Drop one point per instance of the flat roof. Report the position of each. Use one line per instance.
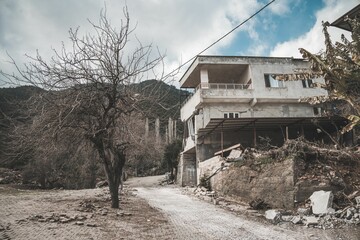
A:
(197, 61)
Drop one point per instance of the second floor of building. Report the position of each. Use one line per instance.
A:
(221, 79)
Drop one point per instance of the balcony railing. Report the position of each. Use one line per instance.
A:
(227, 86)
(218, 86)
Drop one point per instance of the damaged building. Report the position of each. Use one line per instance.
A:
(236, 101)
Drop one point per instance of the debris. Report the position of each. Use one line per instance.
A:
(321, 201)
(353, 195)
(258, 204)
(79, 223)
(91, 225)
(123, 214)
(235, 154)
(296, 220)
(303, 211)
(287, 218)
(357, 199)
(311, 220)
(273, 215)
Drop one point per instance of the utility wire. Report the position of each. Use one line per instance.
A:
(221, 38)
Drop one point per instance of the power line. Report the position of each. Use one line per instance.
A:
(221, 38)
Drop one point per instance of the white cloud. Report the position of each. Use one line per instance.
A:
(179, 28)
(313, 40)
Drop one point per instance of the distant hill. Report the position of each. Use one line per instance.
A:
(164, 103)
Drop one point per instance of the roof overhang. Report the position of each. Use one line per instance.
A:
(341, 23)
(216, 125)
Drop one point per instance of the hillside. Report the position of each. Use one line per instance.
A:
(164, 103)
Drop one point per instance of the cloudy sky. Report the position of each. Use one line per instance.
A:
(179, 28)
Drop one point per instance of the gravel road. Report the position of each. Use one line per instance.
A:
(195, 219)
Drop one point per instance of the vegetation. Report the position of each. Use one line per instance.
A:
(339, 65)
(171, 155)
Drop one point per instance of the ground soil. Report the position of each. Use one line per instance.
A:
(148, 211)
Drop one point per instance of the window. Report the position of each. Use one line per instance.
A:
(231, 115)
(318, 111)
(272, 82)
(307, 83)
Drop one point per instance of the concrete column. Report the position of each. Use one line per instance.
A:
(204, 78)
(254, 134)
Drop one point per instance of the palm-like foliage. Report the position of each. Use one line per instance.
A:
(339, 65)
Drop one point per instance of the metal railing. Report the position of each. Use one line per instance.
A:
(228, 86)
(218, 86)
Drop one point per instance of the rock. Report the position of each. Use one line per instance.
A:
(303, 211)
(216, 201)
(235, 154)
(296, 220)
(64, 220)
(122, 214)
(79, 223)
(273, 215)
(287, 218)
(102, 184)
(321, 201)
(104, 212)
(357, 199)
(311, 220)
(80, 218)
(91, 225)
(331, 211)
(350, 213)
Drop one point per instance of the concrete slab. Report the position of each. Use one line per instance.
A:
(321, 201)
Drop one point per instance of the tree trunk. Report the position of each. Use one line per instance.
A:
(114, 193)
(113, 159)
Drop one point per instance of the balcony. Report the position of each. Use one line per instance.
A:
(216, 92)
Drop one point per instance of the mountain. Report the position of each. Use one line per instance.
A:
(165, 102)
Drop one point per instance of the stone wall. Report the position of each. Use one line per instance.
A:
(271, 182)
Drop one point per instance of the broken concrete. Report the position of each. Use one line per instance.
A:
(311, 220)
(357, 199)
(321, 202)
(273, 215)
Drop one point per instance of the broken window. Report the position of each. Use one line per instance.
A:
(272, 82)
(307, 83)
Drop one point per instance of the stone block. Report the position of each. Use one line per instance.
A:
(321, 201)
(273, 215)
(296, 220)
(311, 220)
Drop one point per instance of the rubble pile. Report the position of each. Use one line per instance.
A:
(319, 212)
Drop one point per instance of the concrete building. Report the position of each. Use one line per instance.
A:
(235, 100)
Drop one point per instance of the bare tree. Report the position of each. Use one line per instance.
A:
(91, 92)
